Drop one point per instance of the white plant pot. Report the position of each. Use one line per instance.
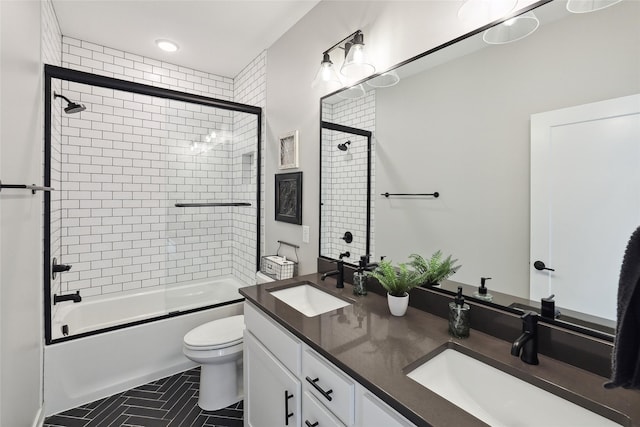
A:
(398, 305)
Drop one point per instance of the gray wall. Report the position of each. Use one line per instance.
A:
(21, 138)
(463, 129)
(394, 31)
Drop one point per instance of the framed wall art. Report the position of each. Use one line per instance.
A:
(288, 150)
(289, 197)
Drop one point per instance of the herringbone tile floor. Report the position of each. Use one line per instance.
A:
(171, 401)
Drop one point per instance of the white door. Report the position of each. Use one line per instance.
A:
(585, 201)
(272, 393)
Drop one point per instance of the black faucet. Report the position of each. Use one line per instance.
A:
(339, 271)
(69, 297)
(526, 345)
(367, 265)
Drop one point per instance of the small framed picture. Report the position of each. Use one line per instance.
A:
(288, 150)
(289, 197)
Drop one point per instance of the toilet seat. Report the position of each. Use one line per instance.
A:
(217, 334)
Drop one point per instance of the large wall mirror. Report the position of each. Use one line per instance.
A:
(533, 147)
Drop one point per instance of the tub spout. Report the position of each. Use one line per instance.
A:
(69, 297)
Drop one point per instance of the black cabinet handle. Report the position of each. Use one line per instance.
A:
(317, 387)
(287, 414)
(539, 265)
(309, 424)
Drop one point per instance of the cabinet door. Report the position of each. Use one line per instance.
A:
(375, 413)
(273, 394)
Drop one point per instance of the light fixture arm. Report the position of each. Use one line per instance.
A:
(349, 37)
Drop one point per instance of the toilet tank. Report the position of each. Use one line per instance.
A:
(262, 278)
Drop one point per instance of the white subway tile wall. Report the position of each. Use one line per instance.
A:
(344, 173)
(128, 159)
(250, 87)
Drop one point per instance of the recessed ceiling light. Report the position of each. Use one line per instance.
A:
(167, 45)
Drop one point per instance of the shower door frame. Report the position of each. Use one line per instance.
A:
(55, 72)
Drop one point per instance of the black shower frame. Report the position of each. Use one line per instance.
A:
(354, 131)
(55, 72)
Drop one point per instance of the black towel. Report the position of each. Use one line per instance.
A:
(625, 360)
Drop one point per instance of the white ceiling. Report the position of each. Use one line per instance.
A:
(215, 36)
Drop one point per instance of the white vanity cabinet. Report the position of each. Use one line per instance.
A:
(329, 385)
(283, 376)
(273, 393)
(315, 414)
(373, 412)
(275, 398)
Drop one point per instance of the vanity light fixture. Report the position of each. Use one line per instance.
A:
(356, 63)
(355, 66)
(586, 6)
(513, 29)
(327, 74)
(166, 45)
(354, 92)
(388, 79)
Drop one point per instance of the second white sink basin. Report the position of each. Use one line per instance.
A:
(309, 300)
(497, 398)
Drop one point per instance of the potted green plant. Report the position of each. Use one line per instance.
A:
(435, 268)
(397, 282)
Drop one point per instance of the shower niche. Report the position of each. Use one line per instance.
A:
(157, 202)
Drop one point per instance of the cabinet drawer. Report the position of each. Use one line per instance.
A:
(281, 343)
(314, 414)
(331, 387)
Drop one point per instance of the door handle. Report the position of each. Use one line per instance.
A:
(287, 414)
(539, 265)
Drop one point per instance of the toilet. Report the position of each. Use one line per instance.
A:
(217, 347)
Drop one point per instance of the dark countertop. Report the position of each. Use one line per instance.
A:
(378, 349)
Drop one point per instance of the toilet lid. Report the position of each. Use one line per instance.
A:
(218, 333)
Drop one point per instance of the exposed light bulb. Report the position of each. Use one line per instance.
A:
(326, 72)
(356, 64)
(326, 75)
(358, 54)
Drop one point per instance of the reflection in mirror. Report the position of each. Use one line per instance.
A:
(459, 122)
(344, 213)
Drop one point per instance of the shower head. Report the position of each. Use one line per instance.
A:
(71, 107)
(344, 146)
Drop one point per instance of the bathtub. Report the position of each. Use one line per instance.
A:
(97, 365)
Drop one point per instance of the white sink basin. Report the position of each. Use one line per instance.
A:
(309, 300)
(497, 398)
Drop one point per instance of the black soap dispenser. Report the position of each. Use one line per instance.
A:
(459, 316)
(482, 293)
